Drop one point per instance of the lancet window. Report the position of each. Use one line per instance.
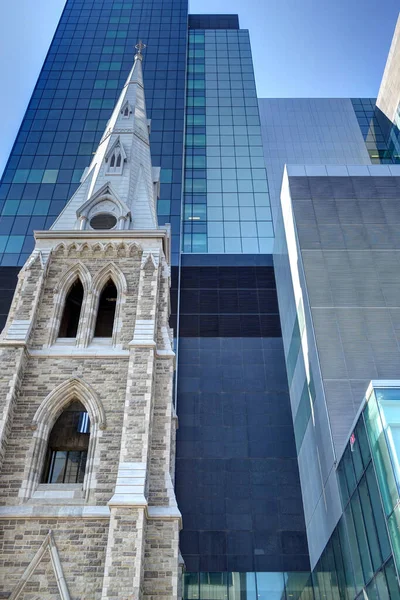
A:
(68, 446)
(106, 311)
(72, 311)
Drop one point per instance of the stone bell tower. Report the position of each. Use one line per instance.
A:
(87, 423)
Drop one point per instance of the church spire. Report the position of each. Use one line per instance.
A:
(120, 187)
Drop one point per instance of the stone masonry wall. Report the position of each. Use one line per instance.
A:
(107, 376)
(81, 546)
(94, 259)
(12, 362)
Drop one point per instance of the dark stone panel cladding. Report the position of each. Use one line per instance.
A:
(226, 301)
(213, 22)
(237, 478)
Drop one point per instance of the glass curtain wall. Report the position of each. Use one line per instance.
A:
(361, 557)
(226, 201)
(382, 137)
(86, 66)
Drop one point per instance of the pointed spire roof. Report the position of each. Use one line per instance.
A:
(122, 162)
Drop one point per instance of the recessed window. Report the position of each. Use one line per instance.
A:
(106, 312)
(72, 311)
(68, 446)
(103, 221)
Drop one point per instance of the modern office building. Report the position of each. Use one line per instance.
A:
(334, 179)
(286, 470)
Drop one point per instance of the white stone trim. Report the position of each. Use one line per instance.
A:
(48, 544)
(144, 332)
(65, 511)
(19, 330)
(164, 512)
(130, 486)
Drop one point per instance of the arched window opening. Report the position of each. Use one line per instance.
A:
(72, 310)
(126, 111)
(68, 446)
(106, 313)
(112, 163)
(119, 160)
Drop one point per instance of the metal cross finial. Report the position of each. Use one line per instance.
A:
(140, 46)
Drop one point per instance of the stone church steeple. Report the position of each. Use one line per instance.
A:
(120, 179)
(87, 429)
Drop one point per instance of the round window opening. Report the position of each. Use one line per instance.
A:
(103, 221)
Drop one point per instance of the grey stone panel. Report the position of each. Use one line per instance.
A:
(391, 293)
(331, 236)
(358, 353)
(341, 409)
(355, 237)
(310, 472)
(309, 237)
(379, 236)
(342, 187)
(319, 290)
(325, 518)
(321, 187)
(326, 211)
(391, 208)
(326, 454)
(394, 231)
(329, 344)
(372, 211)
(304, 212)
(348, 211)
(300, 188)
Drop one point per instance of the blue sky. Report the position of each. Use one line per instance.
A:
(301, 48)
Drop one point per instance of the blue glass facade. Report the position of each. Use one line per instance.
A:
(86, 66)
(226, 200)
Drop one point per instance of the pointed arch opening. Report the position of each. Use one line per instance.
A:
(115, 158)
(72, 311)
(53, 425)
(106, 312)
(68, 446)
(70, 301)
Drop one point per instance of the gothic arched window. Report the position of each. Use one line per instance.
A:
(68, 446)
(106, 311)
(115, 164)
(126, 110)
(72, 311)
